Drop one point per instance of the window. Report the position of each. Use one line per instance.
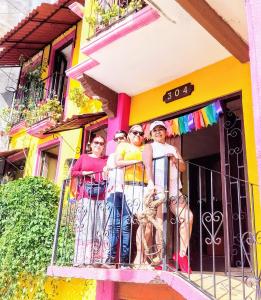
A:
(59, 80)
(91, 133)
(48, 163)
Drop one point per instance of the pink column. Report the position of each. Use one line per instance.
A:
(105, 290)
(253, 11)
(120, 122)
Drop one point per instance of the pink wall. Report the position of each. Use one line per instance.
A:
(105, 290)
(120, 122)
(253, 11)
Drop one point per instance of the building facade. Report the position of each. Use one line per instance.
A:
(193, 65)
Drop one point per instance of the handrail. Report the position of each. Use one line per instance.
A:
(224, 236)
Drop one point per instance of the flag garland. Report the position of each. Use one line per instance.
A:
(196, 120)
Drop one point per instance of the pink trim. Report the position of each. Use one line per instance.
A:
(132, 23)
(253, 10)
(77, 71)
(18, 156)
(77, 8)
(120, 122)
(38, 128)
(16, 128)
(92, 127)
(105, 290)
(46, 146)
(183, 287)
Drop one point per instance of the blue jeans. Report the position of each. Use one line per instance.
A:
(119, 225)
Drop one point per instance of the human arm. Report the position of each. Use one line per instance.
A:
(147, 157)
(178, 161)
(119, 157)
(77, 169)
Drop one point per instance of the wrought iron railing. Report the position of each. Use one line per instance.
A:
(212, 221)
(105, 13)
(32, 95)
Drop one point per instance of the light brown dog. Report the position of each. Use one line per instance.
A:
(151, 201)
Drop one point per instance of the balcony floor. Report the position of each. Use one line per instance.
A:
(182, 283)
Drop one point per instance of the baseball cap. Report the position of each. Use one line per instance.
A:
(157, 123)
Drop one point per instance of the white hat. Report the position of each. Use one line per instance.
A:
(157, 123)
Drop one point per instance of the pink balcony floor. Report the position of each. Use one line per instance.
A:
(180, 282)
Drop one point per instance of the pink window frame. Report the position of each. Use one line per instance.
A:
(92, 127)
(59, 45)
(46, 146)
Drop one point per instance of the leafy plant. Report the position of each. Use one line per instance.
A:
(78, 97)
(32, 113)
(10, 117)
(82, 101)
(28, 210)
(104, 15)
(50, 108)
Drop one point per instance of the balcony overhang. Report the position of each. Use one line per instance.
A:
(39, 128)
(152, 47)
(14, 154)
(175, 281)
(45, 23)
(75, 122)
(93, 88)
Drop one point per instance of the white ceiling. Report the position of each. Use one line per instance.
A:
(233, 12)
(156, 53)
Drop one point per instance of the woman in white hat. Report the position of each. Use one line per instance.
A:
(155, 175)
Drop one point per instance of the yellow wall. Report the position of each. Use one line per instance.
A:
(211, 82)
(217, 80)
(71, 289)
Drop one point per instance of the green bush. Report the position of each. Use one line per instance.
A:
(28, 209)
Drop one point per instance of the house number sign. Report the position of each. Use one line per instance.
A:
(178, 92)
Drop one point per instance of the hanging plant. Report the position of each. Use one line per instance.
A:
(78, 97)
(82, 101)
(35, 113)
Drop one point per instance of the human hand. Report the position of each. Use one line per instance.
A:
(89, 173)
(173, 160)
(151, 186)
(169, 155)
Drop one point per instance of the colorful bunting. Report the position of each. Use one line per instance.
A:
(191, 123)
(175, 127)
(201, 118)
(169, 127)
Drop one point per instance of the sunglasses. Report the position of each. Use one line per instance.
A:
(98, 143)
(140, 133)
(119, 138)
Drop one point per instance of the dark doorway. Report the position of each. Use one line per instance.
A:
(202, 151)
(217, 193)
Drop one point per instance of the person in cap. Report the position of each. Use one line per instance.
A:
(155, 171)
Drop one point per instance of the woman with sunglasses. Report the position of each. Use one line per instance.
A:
(89, 240)
(118, 214)
(129, 157)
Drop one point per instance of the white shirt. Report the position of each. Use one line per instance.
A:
(159, 150)
(115, 176)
